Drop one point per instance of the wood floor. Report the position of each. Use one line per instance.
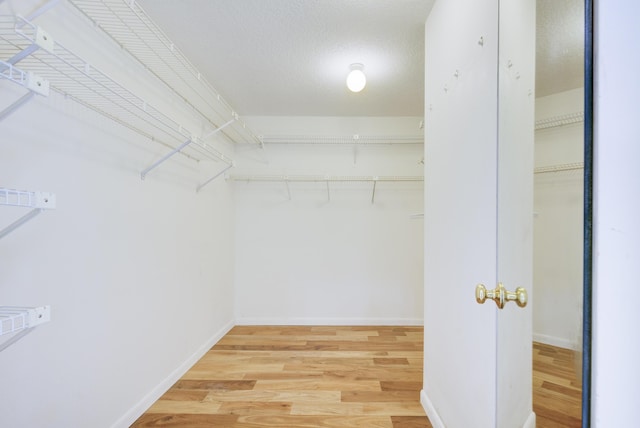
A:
(311, 376)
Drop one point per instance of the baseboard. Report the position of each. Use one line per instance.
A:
(329, 321)
(130, 417)
(435, 420)
(556, 341)
(531, 421)
(431, 412)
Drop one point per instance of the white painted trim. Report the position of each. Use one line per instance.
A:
(531, 421)
(330, 321)
(557, 341)
(435, 420)
(134, 413)
(431, 412)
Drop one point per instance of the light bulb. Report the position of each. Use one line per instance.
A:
(356, 80)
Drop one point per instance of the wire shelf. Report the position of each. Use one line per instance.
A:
(129, 25)
(15, 318)
(23, 198)
(558, 168)
(555, 121)
(343, 139)
(73, 77)
(323, 178)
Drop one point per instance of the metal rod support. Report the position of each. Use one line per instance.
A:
(14, 339)
(288, 189)
(16, 105)
(215, 131)
(213, 178)
(22, 220)
(373, 193)
(144, 173)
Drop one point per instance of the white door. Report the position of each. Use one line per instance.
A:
(479, 121)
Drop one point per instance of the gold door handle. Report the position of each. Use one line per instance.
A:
(501, 296)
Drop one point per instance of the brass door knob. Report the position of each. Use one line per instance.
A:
(501, 296)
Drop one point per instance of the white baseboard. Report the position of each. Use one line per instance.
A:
(531, 421)
(435, 420)
(134, 413)
(557, 341)
(431, 412)
(330, 321)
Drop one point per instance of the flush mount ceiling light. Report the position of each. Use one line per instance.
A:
(356, 80)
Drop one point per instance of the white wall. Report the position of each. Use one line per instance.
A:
(329, 258)
(558, 235)
(616, 352)
(139, 274)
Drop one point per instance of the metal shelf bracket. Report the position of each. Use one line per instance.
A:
(200, 186)
(38, 201)
(157, 163)
(22, 321)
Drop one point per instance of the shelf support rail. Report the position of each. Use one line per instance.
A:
(214, 177)
(34, 83)
(39, 201)
(22, 321)
(373, 192)
(157, 163)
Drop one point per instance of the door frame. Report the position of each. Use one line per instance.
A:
(588, 215)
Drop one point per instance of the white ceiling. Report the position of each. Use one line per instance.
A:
(291, 57)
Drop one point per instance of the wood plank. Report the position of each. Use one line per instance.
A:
(328, 376)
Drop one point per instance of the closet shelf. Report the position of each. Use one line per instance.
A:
(132, 29)
(37, 201)
(68, 74)
(374, 179)
(555, 121)
(16, 318)
(343, 139)
(558, 168)
(322, 178)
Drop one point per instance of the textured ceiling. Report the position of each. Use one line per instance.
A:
(560, 46)
(291, 57)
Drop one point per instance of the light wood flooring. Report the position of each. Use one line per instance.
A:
(327, 376)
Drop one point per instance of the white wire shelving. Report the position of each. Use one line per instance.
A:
(64, 72)
(16, 318)
(343, 139)
(37, 201)
(130, 26)
(21, 321)
(561, 120)
(287, 179)
(575, 166)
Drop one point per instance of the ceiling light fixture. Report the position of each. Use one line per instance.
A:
(356, 80)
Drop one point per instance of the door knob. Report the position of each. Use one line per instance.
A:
(501, 296)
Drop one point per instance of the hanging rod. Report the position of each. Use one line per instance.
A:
(561, 120)
(73, 77)
(322, 178)
(133, 30)
(557, 168)
(342, 139)
(37, 201)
